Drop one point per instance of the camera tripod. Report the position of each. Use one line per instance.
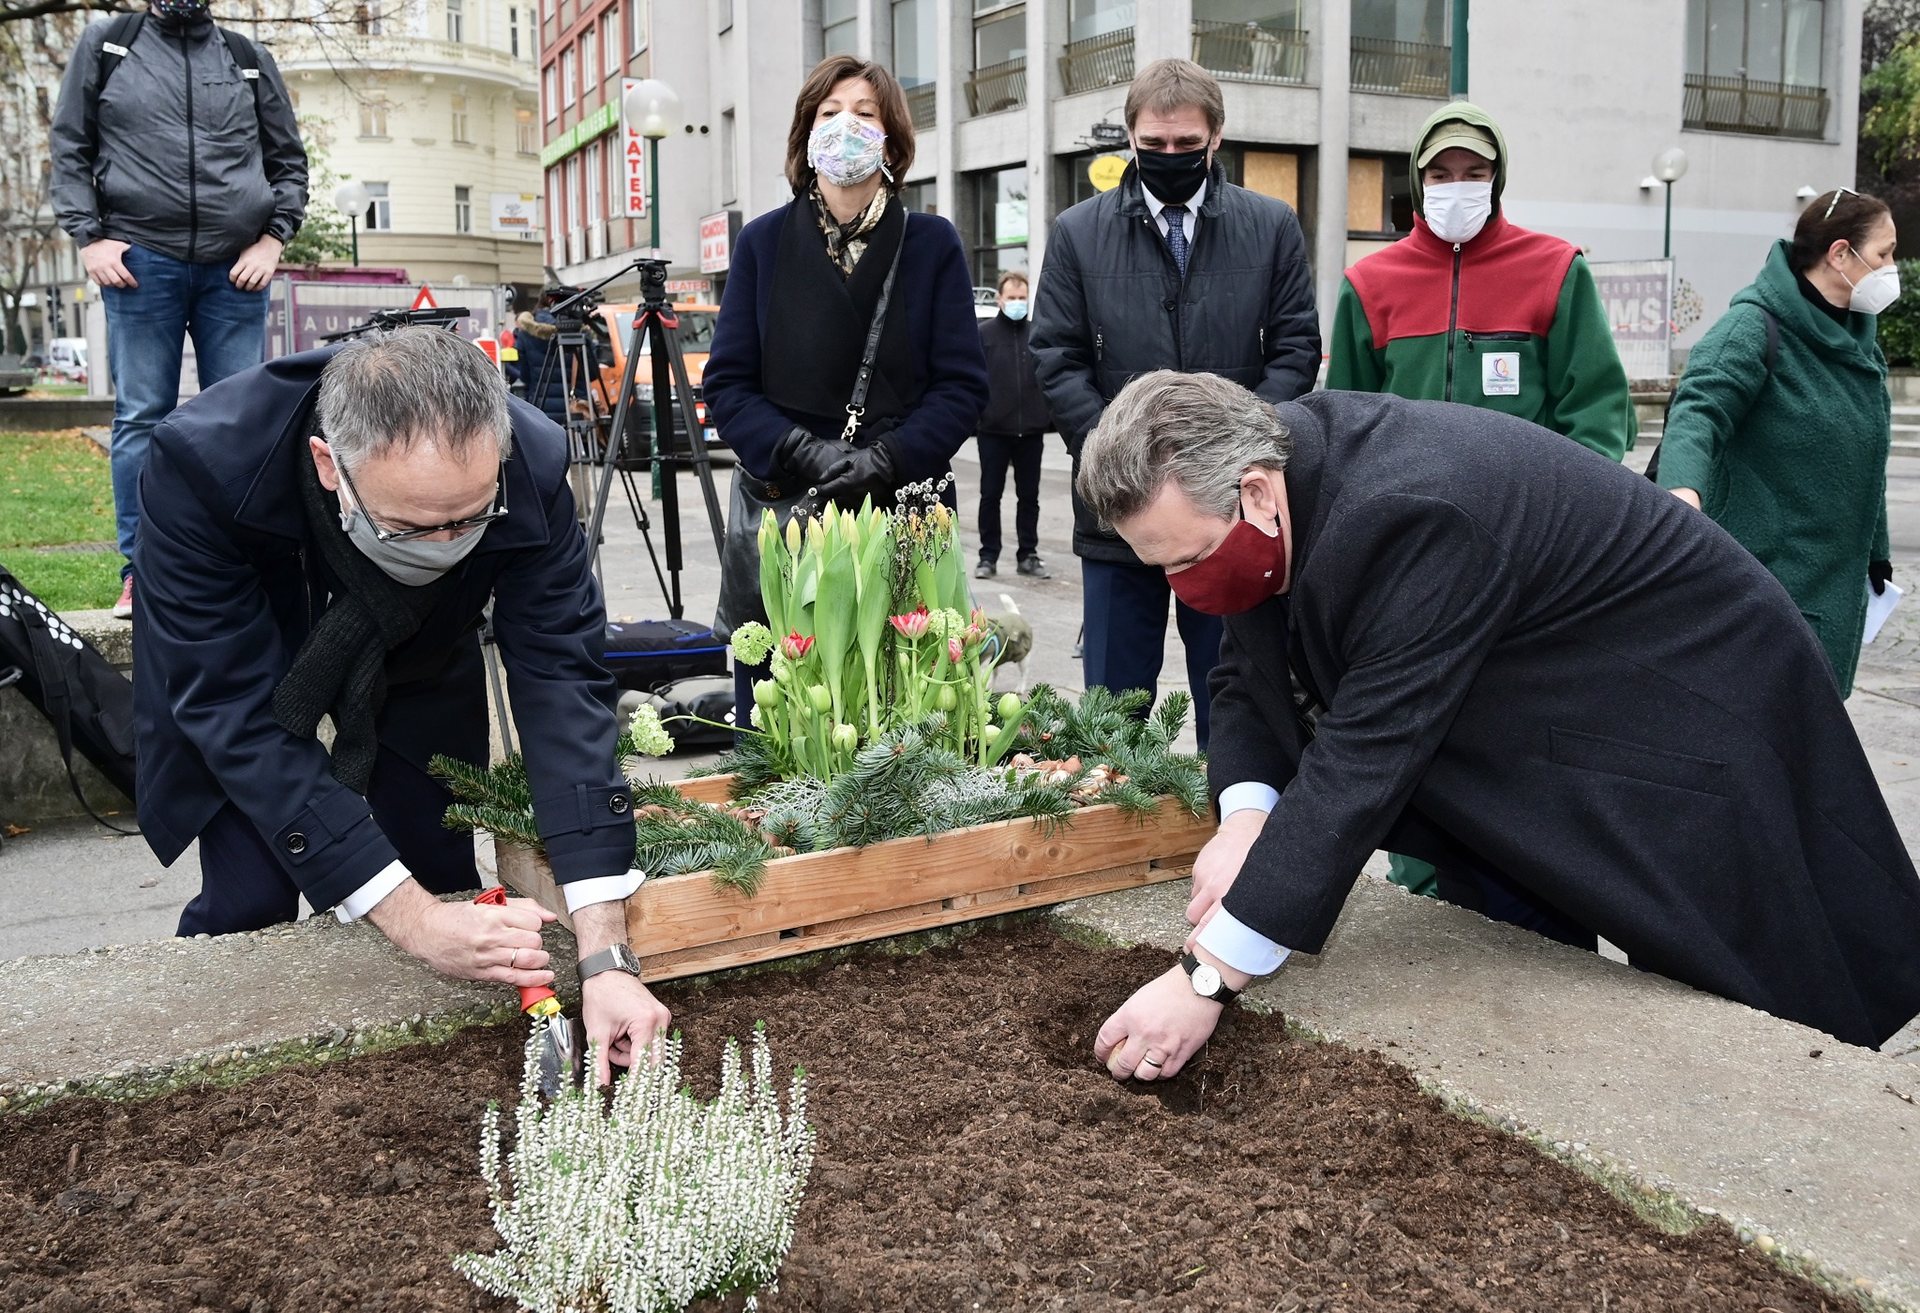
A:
(655, 326)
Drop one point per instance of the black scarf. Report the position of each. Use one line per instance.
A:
(341, 670)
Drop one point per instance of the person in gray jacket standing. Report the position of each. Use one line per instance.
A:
(178, 172)
(1175, 268)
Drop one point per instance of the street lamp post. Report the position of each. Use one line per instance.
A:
(1669, 166)
(352, 199)
(654, 108)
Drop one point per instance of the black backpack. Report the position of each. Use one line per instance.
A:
(88, 702)
(1773, 349)
(120, 37)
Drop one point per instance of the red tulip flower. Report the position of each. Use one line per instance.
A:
(795, 648)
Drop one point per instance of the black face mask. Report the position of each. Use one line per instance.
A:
(1172, 176)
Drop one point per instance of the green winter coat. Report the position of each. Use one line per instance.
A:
(1791, 461)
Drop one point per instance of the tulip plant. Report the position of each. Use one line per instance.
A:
(872, 627)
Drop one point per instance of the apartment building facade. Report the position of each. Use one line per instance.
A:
(1018, 111)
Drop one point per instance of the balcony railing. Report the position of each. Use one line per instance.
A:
(1250, 52)
(920, 105)
(1098, 61)
(1737, 104)
(1408, 67)
(997, 87)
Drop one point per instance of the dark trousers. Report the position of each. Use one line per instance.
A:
(243, 886)
(1125, 610)
(1467, 880)
(1022, 451)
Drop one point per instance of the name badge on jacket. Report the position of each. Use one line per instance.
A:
(1500, 374)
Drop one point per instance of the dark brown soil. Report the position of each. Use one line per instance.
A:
(972, 1156)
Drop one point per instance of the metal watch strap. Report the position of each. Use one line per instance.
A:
(1222, 995)
(615, 957)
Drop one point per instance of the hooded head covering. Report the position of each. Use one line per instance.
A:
(1445, 129)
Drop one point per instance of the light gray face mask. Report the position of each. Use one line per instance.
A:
(413, 563)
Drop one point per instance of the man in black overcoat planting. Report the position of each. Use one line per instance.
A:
(1458, 635)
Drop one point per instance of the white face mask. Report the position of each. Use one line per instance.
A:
(1457, 211)
(1874, 293)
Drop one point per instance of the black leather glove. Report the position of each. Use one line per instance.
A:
(1879, 574)
(870, 472)
(809, 461)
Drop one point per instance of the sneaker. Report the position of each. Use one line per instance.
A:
(985, 570)
(1035, 567)
(123, 609)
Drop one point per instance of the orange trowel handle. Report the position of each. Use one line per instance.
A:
(531, 996)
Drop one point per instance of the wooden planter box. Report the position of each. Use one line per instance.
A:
(684, 925)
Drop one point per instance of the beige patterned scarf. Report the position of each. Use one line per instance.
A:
(847, 242)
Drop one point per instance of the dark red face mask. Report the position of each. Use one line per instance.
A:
(1242, 572)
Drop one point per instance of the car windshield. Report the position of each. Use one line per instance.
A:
(696, 329)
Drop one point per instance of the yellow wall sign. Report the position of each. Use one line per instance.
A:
(1105, 170)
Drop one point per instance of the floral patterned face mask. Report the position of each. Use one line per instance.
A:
(846, 150)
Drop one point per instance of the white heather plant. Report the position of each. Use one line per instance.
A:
(651, 1203)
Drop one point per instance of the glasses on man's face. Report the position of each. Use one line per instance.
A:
(454, 527)
(1836, 200)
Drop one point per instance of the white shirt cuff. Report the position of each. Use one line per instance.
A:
(1240, 947)
(1249, 795)
(367, 897)
(601, 889)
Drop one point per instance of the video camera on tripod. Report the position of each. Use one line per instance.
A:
(445, 316)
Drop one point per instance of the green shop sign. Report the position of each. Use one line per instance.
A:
(602, 120)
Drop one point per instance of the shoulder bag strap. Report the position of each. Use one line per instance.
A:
(862, 381)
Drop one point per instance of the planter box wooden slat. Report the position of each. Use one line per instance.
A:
(684, 925)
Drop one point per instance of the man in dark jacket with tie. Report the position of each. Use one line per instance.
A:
(1012, 429)
(320, 536)
(1175, 268)
(1460, 636)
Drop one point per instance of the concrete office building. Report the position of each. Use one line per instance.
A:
(1015, 100)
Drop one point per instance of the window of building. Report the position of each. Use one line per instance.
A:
(920, 197)
(999, 78)
(569, 87)
(526, 132)
(513, 31)
(366, 20)
(1091, 18)
(997, 222)
(379, 215)
(548, 97)
(637, 25)
(570, 188)
(596, 179)
(1421, 22)
(610, 42)
(463, 209)
(556, 231)
(729, 159)
(373, 117)
(914, 57)
(1757, 66)
(589, 60)
(1379, 196)
(456, 20)
(461, 131)
(840, 26)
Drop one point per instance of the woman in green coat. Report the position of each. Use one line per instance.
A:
(1781, 424)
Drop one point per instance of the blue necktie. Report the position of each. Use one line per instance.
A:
(1177, 235)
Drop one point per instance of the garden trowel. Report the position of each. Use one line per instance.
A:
(559, 1055)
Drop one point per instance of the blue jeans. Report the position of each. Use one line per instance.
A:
(147, 328)
(1125, 609)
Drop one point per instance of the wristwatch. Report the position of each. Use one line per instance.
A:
(617, 957)
(1206, 980)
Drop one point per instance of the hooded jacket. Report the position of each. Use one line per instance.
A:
(173, 155)
(1509, 321)
(1791, 460)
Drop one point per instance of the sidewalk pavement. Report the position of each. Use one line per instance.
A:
(1782, 1130)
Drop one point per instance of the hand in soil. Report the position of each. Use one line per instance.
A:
(1219, 863)
(623, 1018)
(1164, 1020)
(466, 940)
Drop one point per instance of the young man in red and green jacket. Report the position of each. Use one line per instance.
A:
(1472, 309)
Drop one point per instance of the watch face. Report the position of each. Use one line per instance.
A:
(1206, 981)
(624, 956)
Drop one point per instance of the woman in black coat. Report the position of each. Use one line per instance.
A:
(793, 326)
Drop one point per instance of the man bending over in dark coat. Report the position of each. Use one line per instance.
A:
(1460, 636)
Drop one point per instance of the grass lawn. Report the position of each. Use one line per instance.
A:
(50, 390)
(56, 492)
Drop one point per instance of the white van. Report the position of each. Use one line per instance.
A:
(67, 358)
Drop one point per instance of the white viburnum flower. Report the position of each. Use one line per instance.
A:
(649, 735)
